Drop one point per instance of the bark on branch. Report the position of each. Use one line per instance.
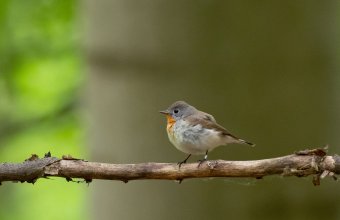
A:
(303, 163)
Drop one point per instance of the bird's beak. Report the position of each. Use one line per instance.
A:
(165, 112)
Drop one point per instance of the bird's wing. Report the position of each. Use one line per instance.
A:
(207, 116)
(208, 121)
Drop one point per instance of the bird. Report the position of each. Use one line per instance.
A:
(195, 132)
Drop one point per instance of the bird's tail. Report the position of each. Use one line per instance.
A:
(246, 142)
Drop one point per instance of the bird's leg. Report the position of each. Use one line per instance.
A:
(184, 161)
(204, 159)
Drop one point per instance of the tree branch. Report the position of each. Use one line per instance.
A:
(303, 163)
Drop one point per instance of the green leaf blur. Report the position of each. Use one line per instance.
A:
(40, 79)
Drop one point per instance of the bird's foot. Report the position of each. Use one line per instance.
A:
(180, 163)
(201, 161)
(184, 161)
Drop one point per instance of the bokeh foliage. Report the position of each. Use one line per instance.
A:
(40, 79)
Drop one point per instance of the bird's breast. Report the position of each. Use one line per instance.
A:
(170, 124)
(194, 139)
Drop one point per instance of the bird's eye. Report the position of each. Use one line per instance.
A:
(176, 111)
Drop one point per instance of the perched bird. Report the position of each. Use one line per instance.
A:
(195, 132)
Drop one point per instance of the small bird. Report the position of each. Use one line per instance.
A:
(195, 132)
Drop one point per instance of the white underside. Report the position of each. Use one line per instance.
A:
(195, 139)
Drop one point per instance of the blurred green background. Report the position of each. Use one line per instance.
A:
(88, 78)
(40, 85)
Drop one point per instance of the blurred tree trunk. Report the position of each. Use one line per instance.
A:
(260, 68)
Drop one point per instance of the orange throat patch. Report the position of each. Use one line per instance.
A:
(170, 123)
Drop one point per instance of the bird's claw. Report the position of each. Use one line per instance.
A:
(184, 161)
(180, 163)
(201, 161)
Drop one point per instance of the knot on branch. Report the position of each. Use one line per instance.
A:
(319, 163)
